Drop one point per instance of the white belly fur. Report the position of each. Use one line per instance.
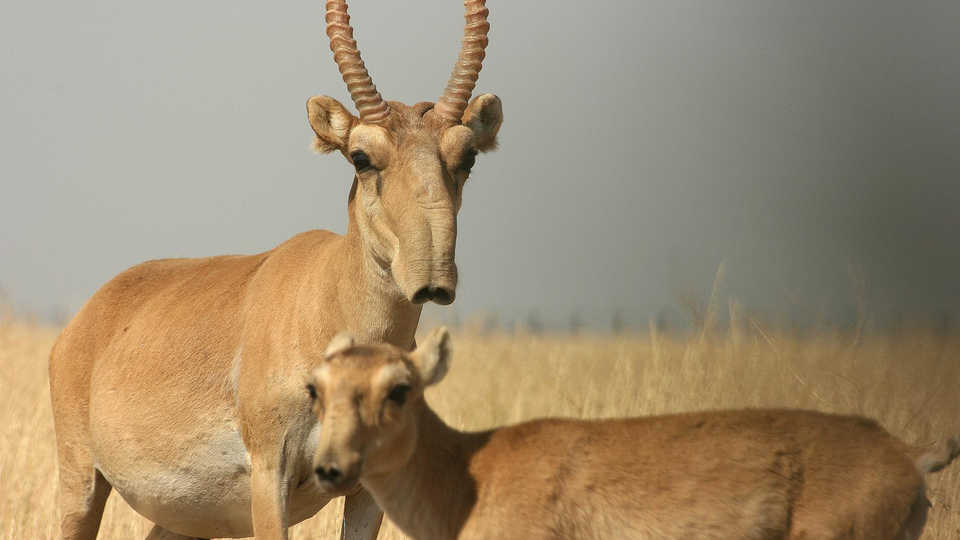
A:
(200, 489)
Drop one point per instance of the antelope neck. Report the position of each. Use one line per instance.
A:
(368, 295)
(433, 494)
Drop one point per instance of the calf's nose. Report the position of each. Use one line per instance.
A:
(329, 473)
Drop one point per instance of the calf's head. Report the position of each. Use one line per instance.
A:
(368, 399)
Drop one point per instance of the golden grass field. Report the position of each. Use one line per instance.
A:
(909, 381)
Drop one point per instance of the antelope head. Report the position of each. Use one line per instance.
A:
(369, 399)
(411, 161)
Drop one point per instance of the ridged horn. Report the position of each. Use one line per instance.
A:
(373, 109)
(454, 100)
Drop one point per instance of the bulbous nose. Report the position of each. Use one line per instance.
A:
(440, 295)
(329, 473)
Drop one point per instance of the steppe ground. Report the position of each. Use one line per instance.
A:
(909, 380)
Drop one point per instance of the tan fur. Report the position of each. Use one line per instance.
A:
(743, 474)
(179, 383)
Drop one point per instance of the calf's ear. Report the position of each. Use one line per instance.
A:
(339, 343)
(432, 357)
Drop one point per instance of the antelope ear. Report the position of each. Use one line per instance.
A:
(331, 122)
(338, 344)
(484, 116)
(432, 357)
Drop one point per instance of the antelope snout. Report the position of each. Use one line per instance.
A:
(439, 294)
(425, 267)
(434, 283)
(336, 477)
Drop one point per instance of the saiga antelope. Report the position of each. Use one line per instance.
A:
(744, 474)
(172, 384)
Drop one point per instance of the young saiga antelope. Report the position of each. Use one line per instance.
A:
(746, 474)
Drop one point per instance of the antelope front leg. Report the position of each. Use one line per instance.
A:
(361, 517)
(268, 499)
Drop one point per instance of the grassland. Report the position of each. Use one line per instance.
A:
(908, 380)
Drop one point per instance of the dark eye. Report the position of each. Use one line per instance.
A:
(398, 394)
(360, 160)
(469, 158)
(312, 390)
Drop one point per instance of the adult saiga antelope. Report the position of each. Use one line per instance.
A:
(748, 474)
(172, 385)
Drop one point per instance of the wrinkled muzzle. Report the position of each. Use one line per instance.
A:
(425, 267)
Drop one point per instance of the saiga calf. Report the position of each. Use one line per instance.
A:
(744, 474)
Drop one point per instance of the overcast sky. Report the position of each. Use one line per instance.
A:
(644, 144)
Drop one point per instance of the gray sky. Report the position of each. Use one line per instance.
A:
(643, 143)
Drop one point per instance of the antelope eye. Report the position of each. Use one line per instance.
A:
(469, 158)
(312, 390)
(360, 160)
(398, 394)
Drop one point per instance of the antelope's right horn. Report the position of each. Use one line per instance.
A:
(373, 109)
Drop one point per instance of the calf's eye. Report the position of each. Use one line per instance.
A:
(312, 390)
(398, 394)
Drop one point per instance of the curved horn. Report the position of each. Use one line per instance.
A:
(373, 109)
(454, 100)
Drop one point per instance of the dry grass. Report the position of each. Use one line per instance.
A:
(908, 381)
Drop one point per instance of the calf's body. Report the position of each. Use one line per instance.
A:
(751, 474)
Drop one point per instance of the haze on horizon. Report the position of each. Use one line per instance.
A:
(811, 148)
